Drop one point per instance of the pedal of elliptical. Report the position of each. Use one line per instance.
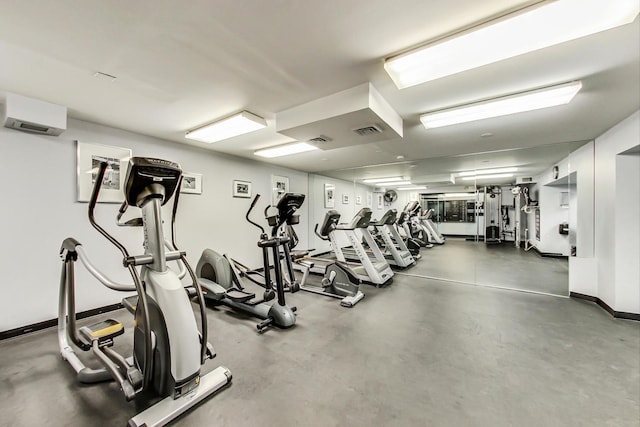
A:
(236, 295)
(103, 331)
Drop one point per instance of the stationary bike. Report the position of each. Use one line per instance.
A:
(168, 348)
(221, 282)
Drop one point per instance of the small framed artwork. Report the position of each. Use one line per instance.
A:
(89, 157)
(369, 200)
(241, 189)
(279, 186)
(358, 199)
(329, 196)
(380, 198)
(191, 183)
(345, 199)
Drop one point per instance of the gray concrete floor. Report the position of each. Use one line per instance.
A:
(417, 353)
(500, 265)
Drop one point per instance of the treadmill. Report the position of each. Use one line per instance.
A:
(427, 223)
(375, 270)
(393, 248)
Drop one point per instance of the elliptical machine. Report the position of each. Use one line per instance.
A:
(168, 348)
(222, 284)
(285, 216)
(339, 280)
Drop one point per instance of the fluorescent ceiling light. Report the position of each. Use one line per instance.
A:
(393, 183)
(229, 127)
(499, 175)
(458, 194)
(531, 29)
(511, 104)
(285, 150)
(487, 171)
(375, 180)
(420, 187)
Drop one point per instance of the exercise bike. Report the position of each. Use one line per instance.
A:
(168, 348)
(221, 282)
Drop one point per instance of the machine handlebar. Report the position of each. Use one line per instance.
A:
(253, 204)
(315, 230)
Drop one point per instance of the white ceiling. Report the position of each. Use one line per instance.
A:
(182, 64)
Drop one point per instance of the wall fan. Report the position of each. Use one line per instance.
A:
(390, 196)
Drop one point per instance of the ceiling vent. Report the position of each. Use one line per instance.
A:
(368, 130)
(360, 109)
(320, 139)
(35, 116)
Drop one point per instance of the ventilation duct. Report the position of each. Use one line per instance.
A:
(355, 116)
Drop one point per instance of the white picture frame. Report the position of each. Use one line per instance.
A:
(241, 189)
(380, 199)
(369, 199)
(279, 186)
(89, 157)
(191, 183)
(345, 199)
(358, 199)
(329, 196)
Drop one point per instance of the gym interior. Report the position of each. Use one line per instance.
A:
(378, 249)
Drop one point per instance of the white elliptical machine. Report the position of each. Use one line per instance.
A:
(168, 348)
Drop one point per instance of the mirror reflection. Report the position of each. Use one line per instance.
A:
(500, 219)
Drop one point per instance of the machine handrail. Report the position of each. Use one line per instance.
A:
(102, 278)
(253, 204)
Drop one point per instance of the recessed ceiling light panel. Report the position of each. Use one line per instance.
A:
(488, 171)
(496, 176)
(503, 106)
(285, 150)
(229, 127)
(542, 25)
(375, 180)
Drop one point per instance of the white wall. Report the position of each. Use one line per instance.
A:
(614, 241)
(548, 194)
(40, 210)
(607, 264)
(583, 266)
(627, 232)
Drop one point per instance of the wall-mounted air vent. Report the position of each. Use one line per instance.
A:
(368, 130)
(320, 139)
(33, 115)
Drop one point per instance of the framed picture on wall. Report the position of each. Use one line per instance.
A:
(89, 158)
(358, 199)
(191, 183)
(329, 196)
(369, 200)
(279, 186)
(380, 200)
(241, 189)
(345, 199)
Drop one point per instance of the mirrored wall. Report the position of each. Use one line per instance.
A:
(508, 218)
